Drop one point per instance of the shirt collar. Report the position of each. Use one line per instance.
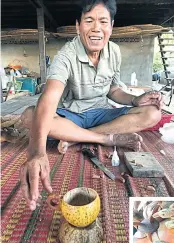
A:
(81, 52)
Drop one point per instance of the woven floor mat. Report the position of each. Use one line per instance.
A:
(137, 187)
(19, 224)
(154, 144)
(114, 213)
(72, 170)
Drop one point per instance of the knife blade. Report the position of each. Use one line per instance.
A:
(94, 159)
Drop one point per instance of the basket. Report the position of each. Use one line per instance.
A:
(164, 119)
(17, 64)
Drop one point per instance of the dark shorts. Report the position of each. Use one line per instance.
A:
(94, 117)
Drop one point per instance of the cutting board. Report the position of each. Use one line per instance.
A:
(143, 164)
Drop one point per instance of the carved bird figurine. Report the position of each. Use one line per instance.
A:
(148, 225)
(166, 213)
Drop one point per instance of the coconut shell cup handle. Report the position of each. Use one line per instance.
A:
(54, 201)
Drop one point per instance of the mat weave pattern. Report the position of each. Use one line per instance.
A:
(20, 225)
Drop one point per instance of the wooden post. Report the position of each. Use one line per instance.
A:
(41, 33)
(2, 100)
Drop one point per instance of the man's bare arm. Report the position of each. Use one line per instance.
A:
(43, 116)
(37, 166)
(149, 98)
(119, 96)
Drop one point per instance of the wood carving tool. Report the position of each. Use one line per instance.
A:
(95, 160)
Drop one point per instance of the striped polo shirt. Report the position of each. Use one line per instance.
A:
(86, 86)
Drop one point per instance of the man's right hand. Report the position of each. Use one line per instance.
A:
(33, 169)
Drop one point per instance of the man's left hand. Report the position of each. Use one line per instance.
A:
(149, 98)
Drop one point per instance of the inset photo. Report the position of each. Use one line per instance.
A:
(151, 220)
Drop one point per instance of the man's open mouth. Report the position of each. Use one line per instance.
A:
(95, 38)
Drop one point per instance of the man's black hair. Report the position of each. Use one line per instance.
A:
(87, 5)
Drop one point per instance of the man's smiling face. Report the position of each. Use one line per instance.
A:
(95, 28)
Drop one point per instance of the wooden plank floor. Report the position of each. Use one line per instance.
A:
(18, 105)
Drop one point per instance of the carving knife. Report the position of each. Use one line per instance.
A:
(94, 159)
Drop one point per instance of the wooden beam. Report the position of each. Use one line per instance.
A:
(167, 20)
(41, 32)
(120, 12)
(168, 15)
(2, 100)
(15, 4)
(159, 2)
(39, 4)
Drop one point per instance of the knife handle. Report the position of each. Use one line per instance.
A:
(88, 152)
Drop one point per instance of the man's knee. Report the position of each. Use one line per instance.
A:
(27, 116)
(151, 115)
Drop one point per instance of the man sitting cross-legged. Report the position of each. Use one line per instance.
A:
(82, 76)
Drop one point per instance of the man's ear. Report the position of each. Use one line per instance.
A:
(112, 24)
(77, 27)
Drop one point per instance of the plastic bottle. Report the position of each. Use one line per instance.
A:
(115, 158)
(133, 79)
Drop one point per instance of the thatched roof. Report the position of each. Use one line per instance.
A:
(118, 32)
(31, 35)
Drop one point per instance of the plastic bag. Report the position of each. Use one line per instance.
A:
(167, 132)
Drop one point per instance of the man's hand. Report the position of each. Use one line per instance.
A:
(149, 98)
(30, 172)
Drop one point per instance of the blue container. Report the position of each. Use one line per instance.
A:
(28, 84)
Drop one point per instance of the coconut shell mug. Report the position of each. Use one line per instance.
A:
(79, 206)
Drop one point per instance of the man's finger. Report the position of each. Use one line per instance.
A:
(161, 103)
(45, 171)
(162, 99)
(34, 181)
(153, 94)
(156, 103)
(25, 187)
(24, 184)
(159, 96)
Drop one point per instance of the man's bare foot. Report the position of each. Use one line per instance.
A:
(128, 140)
(63, 146)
